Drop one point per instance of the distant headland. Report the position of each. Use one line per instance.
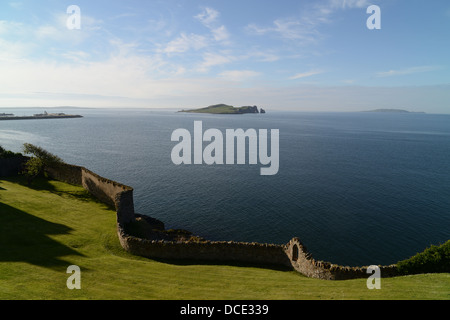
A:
(226, 109)
(392, 111)
(45, 115)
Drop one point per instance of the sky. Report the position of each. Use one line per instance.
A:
(280, 55)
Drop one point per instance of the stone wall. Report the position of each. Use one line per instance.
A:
(255, 253)
(293, 254)
(105, 190)
(303, 262)
(67, 173)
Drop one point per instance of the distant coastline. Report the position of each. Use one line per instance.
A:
(226, 109)
(392, 111)
(45, 115)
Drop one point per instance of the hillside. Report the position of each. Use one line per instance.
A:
(224, 109)
(46, 228)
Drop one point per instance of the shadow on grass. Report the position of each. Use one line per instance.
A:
(39, 184)
(44, 184)
(24, 238)
(223, 263)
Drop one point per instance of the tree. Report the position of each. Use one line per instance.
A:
(41, 160)
(7, 154)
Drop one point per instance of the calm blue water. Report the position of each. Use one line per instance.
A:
(356, 188)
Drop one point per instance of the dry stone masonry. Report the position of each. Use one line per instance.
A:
(293, 255)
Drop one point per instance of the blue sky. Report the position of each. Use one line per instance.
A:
(291, 55)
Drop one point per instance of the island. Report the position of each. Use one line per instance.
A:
(226, 109)
(392, 111)
(45, 115)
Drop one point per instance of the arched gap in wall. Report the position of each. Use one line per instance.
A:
(295, 252)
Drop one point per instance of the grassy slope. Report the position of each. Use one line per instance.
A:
(216, 109)
(45, 229)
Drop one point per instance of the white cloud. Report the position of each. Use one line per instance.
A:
(220, 33)
(212, 60)
(304, 27)
(11, 27)
(88, 23)
(131, 81)
(348, 4)
(238, 75)
(305, 75)
(132, 76)
(49, 32)
(119, 81)
(20, 40)
(186, 42)
(76, 56)
(56, 30)
(208, 16)
(14, 51)
(289, 29)
(407, 71)
(263, 56)
(297, 29)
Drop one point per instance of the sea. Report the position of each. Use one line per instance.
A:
(356, 188)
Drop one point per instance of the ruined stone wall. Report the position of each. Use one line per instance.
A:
(105, 190)
(303, 262)
(110, 192)
(67, 173)
(293, 254)
(263, 254)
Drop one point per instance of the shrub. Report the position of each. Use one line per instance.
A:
(435, 259)
(7, 154)
(41, 160)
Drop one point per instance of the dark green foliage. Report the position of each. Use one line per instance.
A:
(435, 259)
(4, 154)
(38, 152)
(40, 160)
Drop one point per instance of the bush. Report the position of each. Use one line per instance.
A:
(4, 154)
(41, 160)
(435, 259)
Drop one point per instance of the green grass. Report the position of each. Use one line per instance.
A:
(216, 109)
(220, 109)
(46, 228)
